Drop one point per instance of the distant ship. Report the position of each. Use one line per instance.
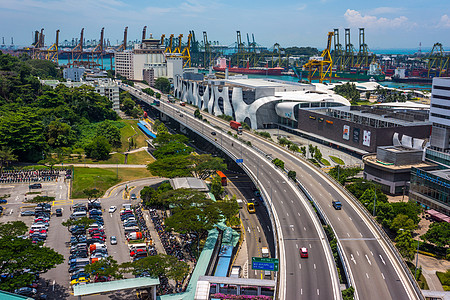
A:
(221, 66)
(373, 74)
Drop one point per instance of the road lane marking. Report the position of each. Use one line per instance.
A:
(318, 292)
(367, 275)
(350, 218)
(357, 253)
(301, 290)
(368, 260)
(248, 229)
(371, 253)
(304, 228)
(298, 214)
(287, 214)
(348, 234)
(382, 275)
(292, 201)
(257, 227)
(382, 260)
(339, 219)
(352, 258)
(314, 266)
(284, 191)
(296, 245)
(310, 246)
(300, 266)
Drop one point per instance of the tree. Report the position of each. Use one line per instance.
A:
(278, 162)
(158, 96)
(197, 114)
(149, 91)
(170, 167)
(6, 156)
(21, 258)
(99, 149)
(317, 155)
(311, 150)
(60, 134)
(164, 138)
(402, 222)
(110, 132)
(160, 265)
(150, 197)
(229, 209)
(162, 84)
(216, 187)
(292, 175)
(405, 245)
(92, 193)
(14, 228)
(438, 234)
(294, 147)
(172, 149)
(204, 165)
(303, 150)
(107, 267)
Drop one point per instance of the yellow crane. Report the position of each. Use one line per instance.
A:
(322, 64)
(52, 51)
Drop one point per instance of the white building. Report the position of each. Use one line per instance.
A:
(103, 86)
(257, 102)
(74, 74)
(147, 55)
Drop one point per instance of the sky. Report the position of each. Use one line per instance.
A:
(388, 24)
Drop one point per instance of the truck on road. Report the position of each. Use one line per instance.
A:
(236, 126)
(337, 204)
(265, 252)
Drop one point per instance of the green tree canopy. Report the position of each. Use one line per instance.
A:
(216, 187)
(204, 165)
(6, 156)
(438, 234)
(21, 258)
(108, 130)
(160, 265)
(170, 167)
(162, 84)
(405, 244)
(99, 149)
(107, 267)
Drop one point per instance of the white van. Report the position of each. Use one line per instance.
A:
(37, 227)
(126, 206)
(78, 215)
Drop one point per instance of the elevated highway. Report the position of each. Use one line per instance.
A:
(374, 267)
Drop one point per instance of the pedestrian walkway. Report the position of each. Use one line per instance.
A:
(429, 267)
(155, 237)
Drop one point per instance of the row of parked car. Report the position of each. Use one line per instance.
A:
(39, 228)
(87, 245)
(132, 232)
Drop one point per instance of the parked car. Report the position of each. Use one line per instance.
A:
(3, 201)
(26, 291)
(35, 186)
(79, 280)
(133, 197)
(27, 213)
(113, 240)
(59, 212)
(112, 209)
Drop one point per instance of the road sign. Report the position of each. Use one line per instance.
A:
(264, 263)
(239, 160)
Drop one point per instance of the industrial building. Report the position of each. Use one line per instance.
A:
(74, 74)
(257, 102)
(432, 188)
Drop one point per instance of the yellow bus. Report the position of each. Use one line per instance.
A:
(251, 207)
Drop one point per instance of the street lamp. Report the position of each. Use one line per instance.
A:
(417, 256)
(374, 202)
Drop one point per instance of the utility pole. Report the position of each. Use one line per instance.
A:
(375, 201)
(417, 256)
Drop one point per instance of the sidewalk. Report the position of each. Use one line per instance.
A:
(155, 237)
(429, 267)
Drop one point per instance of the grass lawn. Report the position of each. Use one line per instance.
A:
(444, 278)
(337, 160)
(140, 158)
(103, 179)
(128, 131)
(325, 162)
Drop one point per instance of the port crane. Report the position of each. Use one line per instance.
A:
(322, 64)
(437, 61)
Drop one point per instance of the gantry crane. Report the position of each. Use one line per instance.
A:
(349, 54)
(52, 51)
(437, 61)
(207, 54)
(338, 52)
(186, 53)
(364, 57)
(77, 52)
(97, 52)
(322, 64)
(123, 46)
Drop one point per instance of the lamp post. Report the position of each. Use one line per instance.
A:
(417, 256)
(374, 202)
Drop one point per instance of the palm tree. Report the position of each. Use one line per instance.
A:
(6, 156)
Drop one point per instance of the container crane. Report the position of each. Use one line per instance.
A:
(77, 52)
(323, 63)
(338, 52)
(52, 51)
(437, 61)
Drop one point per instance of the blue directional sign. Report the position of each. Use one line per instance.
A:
(266, 264)
(239, 160)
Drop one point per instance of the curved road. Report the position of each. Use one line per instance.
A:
(373, 267)
(295, 220)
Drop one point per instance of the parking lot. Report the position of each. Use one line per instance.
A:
(56, 282)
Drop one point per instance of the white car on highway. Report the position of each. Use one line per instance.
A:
(112, 209)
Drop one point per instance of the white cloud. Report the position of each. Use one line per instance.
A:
(444, 22)
(302, 7)
(386, 10)
(355, 18)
